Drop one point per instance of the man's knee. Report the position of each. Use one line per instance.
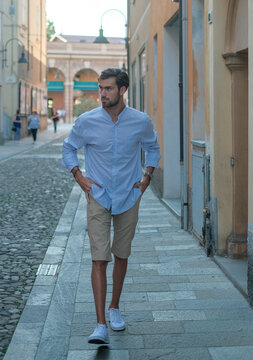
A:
(122, 260)
(99, 264)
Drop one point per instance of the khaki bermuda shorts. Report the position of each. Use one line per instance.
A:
(99, 230)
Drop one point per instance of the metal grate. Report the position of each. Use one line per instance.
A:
(48, 269)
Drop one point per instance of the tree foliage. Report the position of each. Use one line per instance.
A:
(50, 29)
(84, 104)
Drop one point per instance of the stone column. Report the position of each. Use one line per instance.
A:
(68, 100)
(237, 241)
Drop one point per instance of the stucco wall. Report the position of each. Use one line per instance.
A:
(218, 102)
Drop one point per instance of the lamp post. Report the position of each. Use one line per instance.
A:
(22, 59)
(101, 39)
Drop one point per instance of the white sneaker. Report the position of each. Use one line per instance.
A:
(99, 335)
(116, 321)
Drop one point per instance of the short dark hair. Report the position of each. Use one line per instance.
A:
(121, 77)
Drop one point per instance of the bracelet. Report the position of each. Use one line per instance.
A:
(149, 174)
(74, 173)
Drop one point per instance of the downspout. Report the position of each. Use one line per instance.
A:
(183, 111)
(41, 39)
(28, 35)
(127, 49)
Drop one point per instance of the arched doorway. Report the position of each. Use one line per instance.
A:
(55, 88)
(85, 91)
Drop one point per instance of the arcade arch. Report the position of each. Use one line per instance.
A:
(85, 91)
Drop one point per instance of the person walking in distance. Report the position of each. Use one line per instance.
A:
(112, 136)
(17, 125)
(55, 118)
(34, 124)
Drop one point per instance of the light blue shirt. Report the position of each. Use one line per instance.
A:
(33, 122)
(113, 154)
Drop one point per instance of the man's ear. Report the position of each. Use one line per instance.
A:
(122, 90)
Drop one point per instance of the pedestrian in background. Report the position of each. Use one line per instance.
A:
(34, 124)
(112, 136)
(55, 119)
(17, 125)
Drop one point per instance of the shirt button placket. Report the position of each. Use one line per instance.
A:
(114, 161)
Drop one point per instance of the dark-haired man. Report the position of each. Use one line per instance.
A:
(112, 136)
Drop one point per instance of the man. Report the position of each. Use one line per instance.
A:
(113, 136)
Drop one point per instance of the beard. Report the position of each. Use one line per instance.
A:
(111, 103)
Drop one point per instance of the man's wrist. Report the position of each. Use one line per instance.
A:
(75, 171)
(148, 174)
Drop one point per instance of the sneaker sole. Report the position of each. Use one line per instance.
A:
(117, 329)
(98, 341)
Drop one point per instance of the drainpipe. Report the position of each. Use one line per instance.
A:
(127, 49)
(183, 103)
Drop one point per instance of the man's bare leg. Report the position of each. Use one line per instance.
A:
(99, 285)
(119, 272)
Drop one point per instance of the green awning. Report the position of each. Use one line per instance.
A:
(85, 85)
(55, 86)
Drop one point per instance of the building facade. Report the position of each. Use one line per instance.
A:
(23, 57)
(74, 64)
(198, 86)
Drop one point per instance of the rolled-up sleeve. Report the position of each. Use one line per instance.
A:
(150, 145)
(71, 144)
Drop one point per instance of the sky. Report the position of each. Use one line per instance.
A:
(83, 17)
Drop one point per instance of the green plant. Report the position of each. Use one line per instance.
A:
(84, 104)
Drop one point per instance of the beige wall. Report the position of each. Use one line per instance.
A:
(218, 104)
(250, 17)
(227, 34)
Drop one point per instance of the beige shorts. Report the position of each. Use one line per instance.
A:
(99, 230)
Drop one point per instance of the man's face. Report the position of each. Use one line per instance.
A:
(109, 92)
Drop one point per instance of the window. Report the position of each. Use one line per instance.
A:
(143, 67)
(155, 79)
(134, 85)
(23, 12)
(37, 22)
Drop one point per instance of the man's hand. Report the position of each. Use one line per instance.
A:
(142, 185)
(85, 183)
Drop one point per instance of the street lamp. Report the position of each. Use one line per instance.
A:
(22, 59)
(101, 39)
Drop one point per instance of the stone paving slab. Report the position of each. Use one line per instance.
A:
(177, 303)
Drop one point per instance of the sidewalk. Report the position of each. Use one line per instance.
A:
(177, 303)
(12, 148)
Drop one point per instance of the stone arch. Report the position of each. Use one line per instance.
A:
(85, 90)
(236, 34)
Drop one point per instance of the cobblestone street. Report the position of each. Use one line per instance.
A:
(33, 191)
